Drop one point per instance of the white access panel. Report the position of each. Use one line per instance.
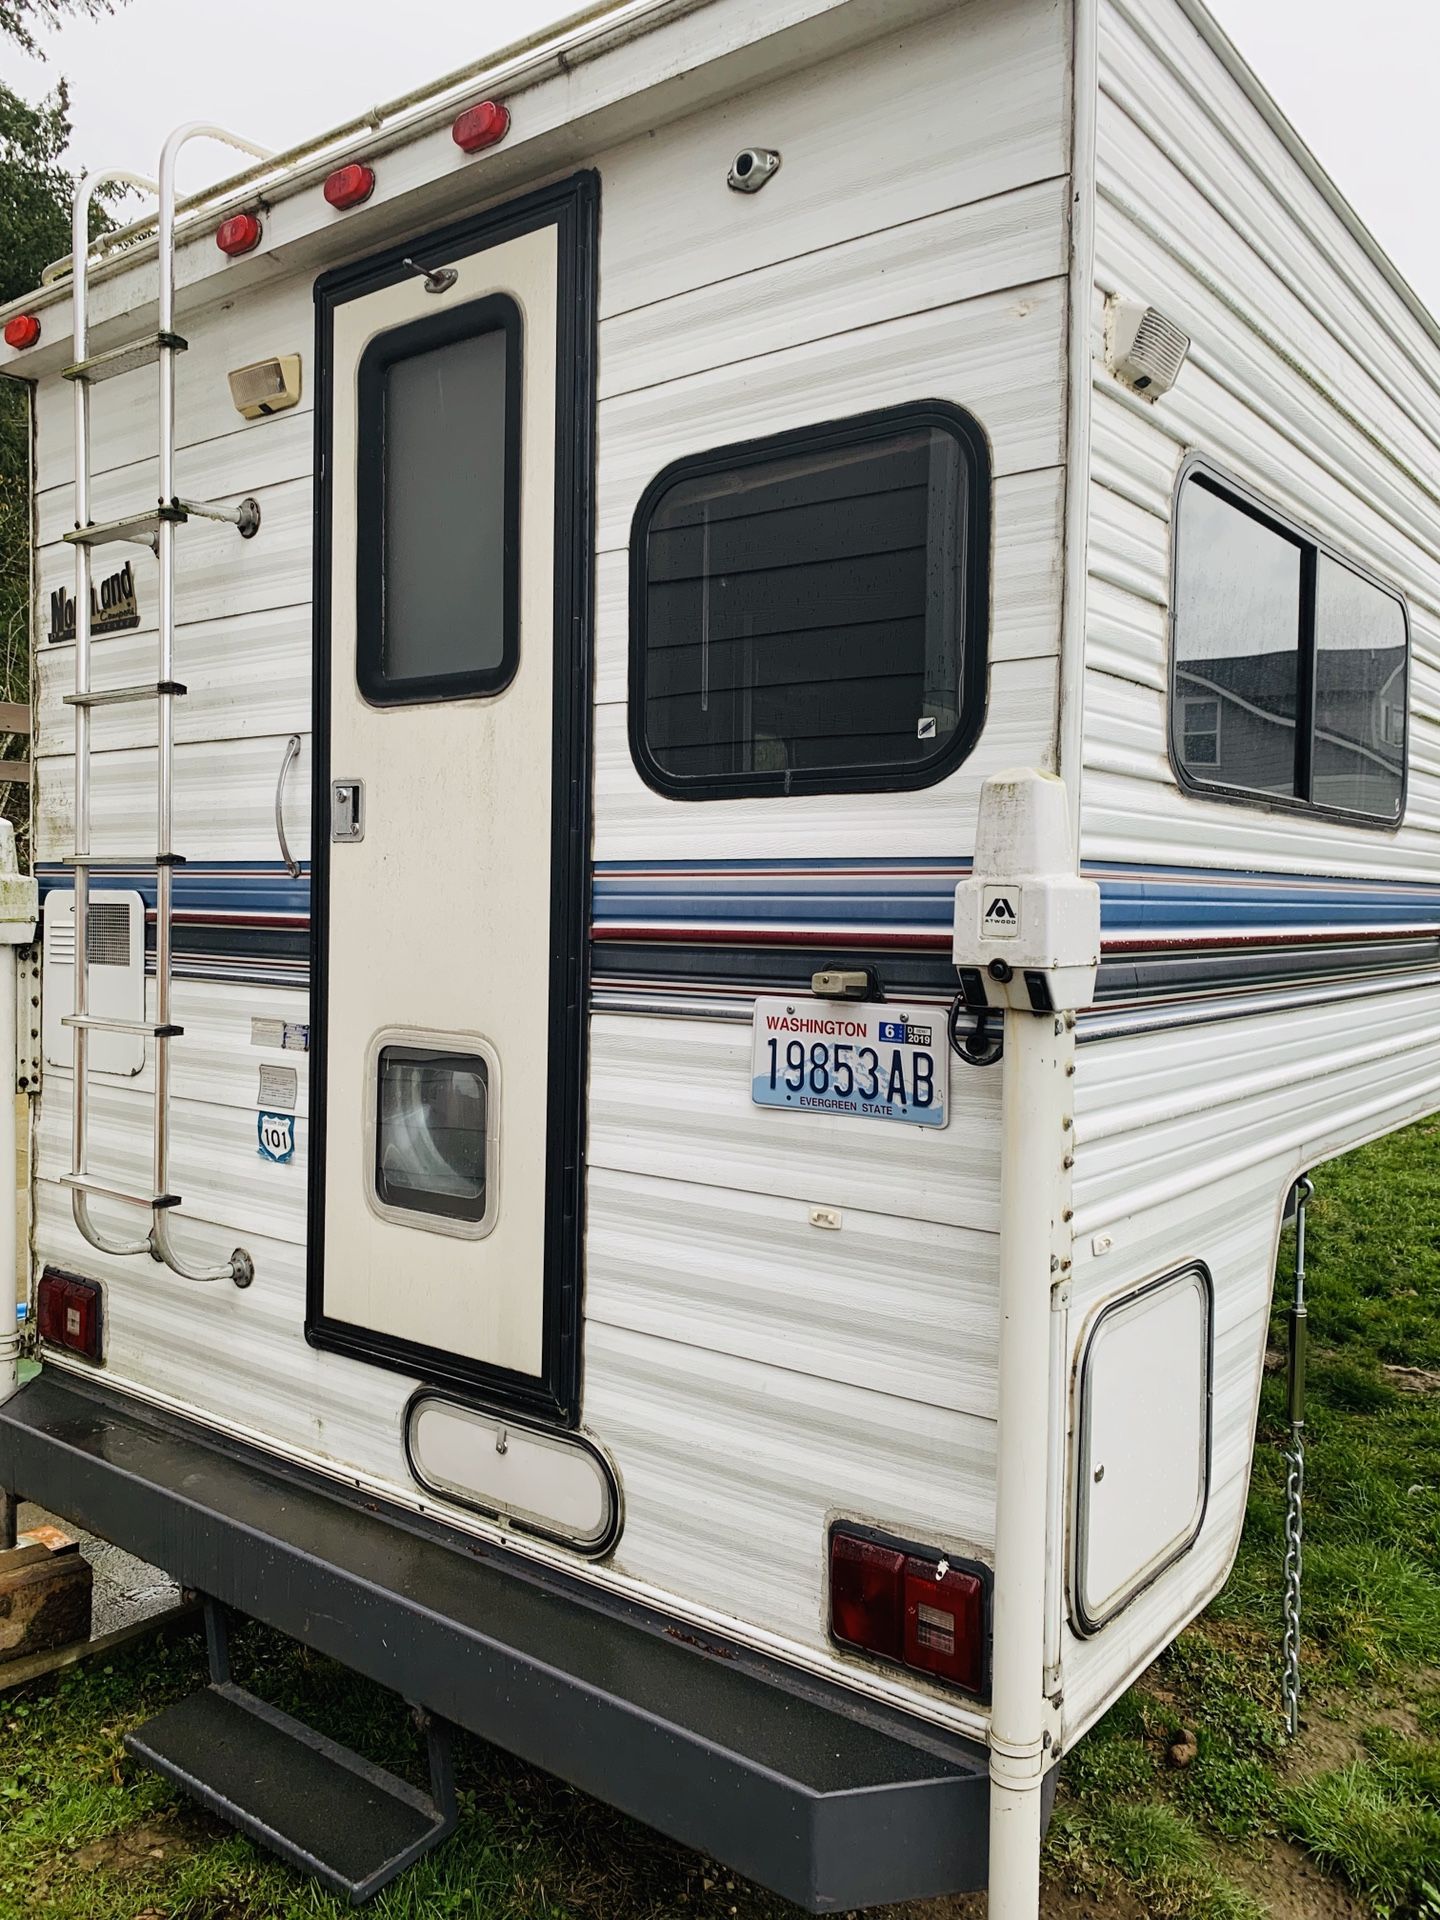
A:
(115, 927)
(1144, 1441)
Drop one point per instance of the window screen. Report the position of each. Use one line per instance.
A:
(1290, 666)
(437, 506)
(810, 611)
(432, 1120)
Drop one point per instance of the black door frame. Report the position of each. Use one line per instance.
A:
(572, 207)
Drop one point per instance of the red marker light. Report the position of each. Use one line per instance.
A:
(23, 331)
(348, 186)
(239, 234)
(481, 126)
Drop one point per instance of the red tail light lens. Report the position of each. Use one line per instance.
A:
(349, 186)
(70, 1313)
(945, 1623)
(866, 1596)
(239, 234)
(23, 331)
(910, 1606)
(481, 126)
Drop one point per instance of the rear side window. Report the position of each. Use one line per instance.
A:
(809, 612)
(438, 506)
(1290, 664)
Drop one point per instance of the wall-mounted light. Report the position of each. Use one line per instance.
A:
(266, 386)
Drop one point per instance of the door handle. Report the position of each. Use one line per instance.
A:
(292, 754)
(347, 811)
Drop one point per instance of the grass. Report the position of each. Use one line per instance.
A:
(85, 1836)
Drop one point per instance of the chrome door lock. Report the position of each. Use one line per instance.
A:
(347, 810)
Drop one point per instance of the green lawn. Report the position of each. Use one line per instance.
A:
(1353, 1808)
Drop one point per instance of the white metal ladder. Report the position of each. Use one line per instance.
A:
(154, 528)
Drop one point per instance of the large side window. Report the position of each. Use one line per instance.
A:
(438, 503)
(1290, 665)
(809, 612)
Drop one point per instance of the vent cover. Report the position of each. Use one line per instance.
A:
(115, 949)
(1145, 349)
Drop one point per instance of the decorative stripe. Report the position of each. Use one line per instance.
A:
(698, 927)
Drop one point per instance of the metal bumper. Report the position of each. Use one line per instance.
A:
(804, 1787)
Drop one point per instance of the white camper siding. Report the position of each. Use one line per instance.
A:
(752, 1374)
(1311, 380)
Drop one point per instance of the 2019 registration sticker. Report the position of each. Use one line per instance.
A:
(882, 1061)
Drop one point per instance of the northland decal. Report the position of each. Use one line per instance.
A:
(114, 607)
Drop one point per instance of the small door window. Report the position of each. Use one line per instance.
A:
(434, 1136)
(437, 510)
(810, 610)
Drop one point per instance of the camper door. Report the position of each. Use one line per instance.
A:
(449, 866)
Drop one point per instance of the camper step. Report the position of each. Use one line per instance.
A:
(82, 1183)
(100, 1023)
(119, 696)
(137, 528)
(319, 1806)
(137, 353)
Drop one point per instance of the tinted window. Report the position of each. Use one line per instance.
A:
(810, 613)
(437, 508)
(1237, 638)
(1360, 693)
(430, 1137)
(1290, 666)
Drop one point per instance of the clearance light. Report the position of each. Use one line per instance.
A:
(239, 234)
(349, 186)
(69, 1313)
(908, 1605)
(481, 126)
(23, 331)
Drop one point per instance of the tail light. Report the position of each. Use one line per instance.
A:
(70, 1314)
(481, 126)
(22, 331)
(911, 1605)
(239, 234)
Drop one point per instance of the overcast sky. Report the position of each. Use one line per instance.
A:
(1358, 82)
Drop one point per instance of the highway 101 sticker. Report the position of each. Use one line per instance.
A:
(885, 1061)
(277, 1136)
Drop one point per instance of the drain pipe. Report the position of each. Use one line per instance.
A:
(17, 929)
(1027, 938)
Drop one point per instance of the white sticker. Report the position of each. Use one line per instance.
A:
(278, 1087)
(297, 1037)
(1000, 913)
(266, 1033)
(276, 1132)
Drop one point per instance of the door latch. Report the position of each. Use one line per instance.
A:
(347, 810)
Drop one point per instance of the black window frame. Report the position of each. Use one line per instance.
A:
(972, 691)
(1312, 545)
(493, 313)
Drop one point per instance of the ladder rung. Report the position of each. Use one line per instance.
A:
(99, 1023)
(136, 528)
(123, 862)
(117, 696)
(138, 353)
(82, 1183)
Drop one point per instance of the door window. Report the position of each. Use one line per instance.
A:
(438, 506)
(434, 1136)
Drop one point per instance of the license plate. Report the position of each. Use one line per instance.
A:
(888, 1062)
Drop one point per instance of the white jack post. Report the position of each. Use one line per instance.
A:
(1027, 940)
(17, 929)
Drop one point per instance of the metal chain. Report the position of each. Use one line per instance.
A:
(1295, 1471)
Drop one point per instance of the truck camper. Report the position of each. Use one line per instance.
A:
(736, 762)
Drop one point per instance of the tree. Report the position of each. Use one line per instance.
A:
(35, 193)
(15, 16)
